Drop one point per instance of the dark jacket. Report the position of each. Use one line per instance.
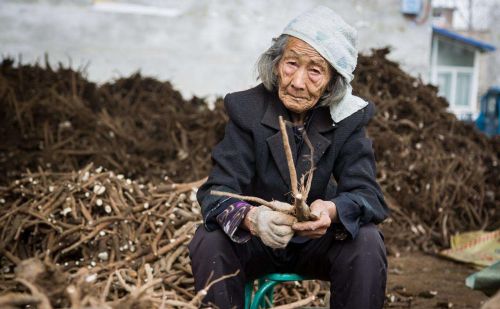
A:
(250, 160)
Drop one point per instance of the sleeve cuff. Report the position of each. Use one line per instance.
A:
(230, 220)
(348, 213)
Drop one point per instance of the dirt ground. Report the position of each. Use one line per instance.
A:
(421, 281)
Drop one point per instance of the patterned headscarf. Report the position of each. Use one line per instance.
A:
(335, 40)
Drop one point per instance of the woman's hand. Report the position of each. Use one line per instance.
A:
(326, 211)
(273, 227)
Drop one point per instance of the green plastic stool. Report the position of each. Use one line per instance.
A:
(266, 285)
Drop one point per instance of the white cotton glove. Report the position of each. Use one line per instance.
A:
(273, 227)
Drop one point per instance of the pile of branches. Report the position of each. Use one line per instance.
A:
(440, 175)
(93, 238)
(137, 126)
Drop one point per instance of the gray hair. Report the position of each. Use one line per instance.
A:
(268, 61)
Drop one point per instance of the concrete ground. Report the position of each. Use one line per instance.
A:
(421, 281)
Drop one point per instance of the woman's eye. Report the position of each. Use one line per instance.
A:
(315, 71)
(292, 63)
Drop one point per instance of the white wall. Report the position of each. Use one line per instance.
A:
(204, 47)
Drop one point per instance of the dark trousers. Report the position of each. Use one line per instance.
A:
(356, 269)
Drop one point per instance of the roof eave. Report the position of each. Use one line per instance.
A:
(480, 45)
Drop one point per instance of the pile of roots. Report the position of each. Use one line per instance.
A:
(92, 215)
(136, 126)
(440, 175)
(96, 239)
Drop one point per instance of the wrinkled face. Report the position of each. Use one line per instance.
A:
(303, 76)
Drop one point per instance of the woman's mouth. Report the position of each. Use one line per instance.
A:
(296, 98)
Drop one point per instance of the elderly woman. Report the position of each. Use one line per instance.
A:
(306, 77)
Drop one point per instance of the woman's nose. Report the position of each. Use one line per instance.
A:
(298, 80)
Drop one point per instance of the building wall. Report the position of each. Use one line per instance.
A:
(204, 47)
(494, 58)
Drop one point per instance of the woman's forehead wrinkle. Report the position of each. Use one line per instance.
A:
(316, 58)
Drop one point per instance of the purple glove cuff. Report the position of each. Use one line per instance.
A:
(230, 220)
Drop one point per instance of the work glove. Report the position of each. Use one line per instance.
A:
(273, 227)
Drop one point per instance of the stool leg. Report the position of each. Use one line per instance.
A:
(270, 295)
(261, 293)
(248, 294)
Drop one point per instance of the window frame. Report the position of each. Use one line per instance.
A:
(462, 112)
(454, 71)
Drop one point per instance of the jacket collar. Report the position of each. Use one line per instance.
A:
(321, 123)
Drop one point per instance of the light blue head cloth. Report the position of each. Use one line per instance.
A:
(336, 41)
